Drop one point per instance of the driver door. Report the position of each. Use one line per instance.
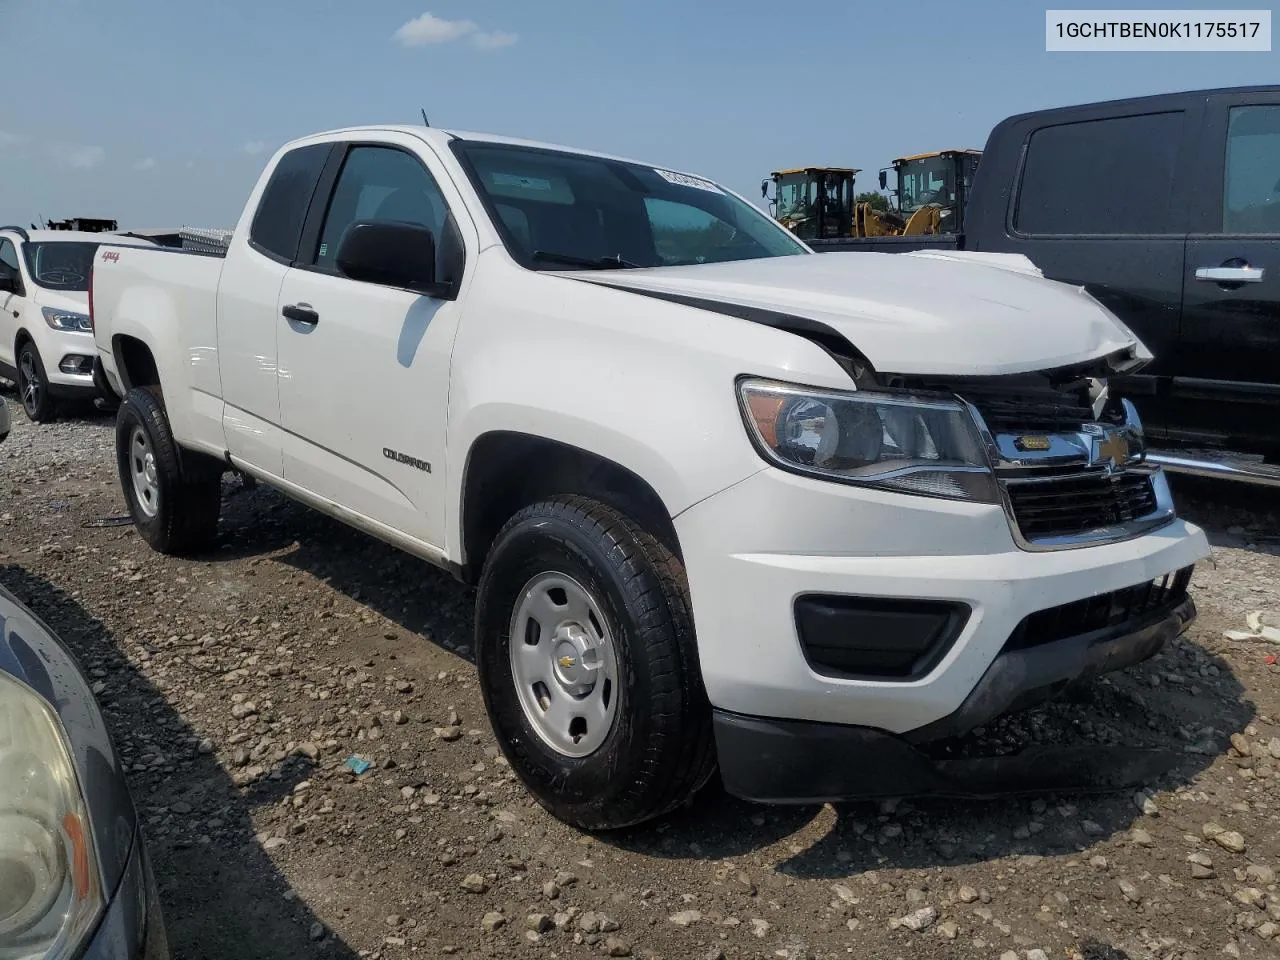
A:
(364, 367)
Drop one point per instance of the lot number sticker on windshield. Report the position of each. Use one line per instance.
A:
(684, 180)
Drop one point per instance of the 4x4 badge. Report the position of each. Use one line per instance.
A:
(1031, 443)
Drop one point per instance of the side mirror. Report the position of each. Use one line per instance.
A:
(392, 253)
(884, 180)
(764, 189)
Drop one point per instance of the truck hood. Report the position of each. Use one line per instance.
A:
(938, 313)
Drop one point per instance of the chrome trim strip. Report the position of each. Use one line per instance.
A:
(1259, 474)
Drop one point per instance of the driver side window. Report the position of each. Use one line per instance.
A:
(379, 183)
(682, 233)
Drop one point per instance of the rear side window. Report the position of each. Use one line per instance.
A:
(277, 226)
(1251, 201)
(1112, 176)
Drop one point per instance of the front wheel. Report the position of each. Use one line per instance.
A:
(174, 496)
(33, 386)
(588, 665)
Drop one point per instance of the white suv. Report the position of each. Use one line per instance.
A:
(46, 342)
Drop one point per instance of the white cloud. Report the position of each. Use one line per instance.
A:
(8, 139)
(254, 147)
(79, 158)
(146, 163)
(429, 29)
(494, 40)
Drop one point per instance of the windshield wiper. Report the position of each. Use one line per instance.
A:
(615, 262)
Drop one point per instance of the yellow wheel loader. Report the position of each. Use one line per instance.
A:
(931, 190)
(816, 203)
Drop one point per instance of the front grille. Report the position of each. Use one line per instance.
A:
(1025, 404)
(1058, 492)
(1100, 612)
(1029, 411)
(1079, 503)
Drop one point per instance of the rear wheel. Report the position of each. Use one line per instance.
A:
(33, 386)
(174, 495)
(588, 665)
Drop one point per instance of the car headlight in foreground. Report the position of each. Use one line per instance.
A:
(67, 320)
(895, 442)
(50, 897)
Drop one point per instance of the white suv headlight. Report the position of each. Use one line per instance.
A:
(50, 895)
(896, 442)
(67, 320)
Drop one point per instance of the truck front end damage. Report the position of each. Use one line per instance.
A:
(866, 627)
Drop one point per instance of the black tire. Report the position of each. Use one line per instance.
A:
(33, 386)
(180, 512)
(659, 750)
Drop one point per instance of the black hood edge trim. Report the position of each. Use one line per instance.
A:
(850, 359)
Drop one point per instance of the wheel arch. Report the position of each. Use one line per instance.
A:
(135, 362)
(508, 470)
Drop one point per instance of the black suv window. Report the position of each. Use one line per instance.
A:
(1251, 201)
(277, 225)
(9, 259)
(1112, 176)
(380, 183)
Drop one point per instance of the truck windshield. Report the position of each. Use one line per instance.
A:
(931, 180)
(60, 264)
(554, 209)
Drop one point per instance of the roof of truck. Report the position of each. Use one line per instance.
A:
(1155, 99)
(440, 137)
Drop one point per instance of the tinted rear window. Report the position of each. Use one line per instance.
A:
(1112, 176)
(277, 226)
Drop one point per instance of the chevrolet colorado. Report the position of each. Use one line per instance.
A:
(1167, 209)
(727, 503)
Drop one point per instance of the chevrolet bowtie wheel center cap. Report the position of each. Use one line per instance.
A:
(564, 664)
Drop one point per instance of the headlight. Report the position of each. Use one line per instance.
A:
(67, 320)
(911, 445)
(49, 891)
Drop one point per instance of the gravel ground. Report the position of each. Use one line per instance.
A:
(237, 685)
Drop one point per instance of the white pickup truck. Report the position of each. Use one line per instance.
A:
(728, 503)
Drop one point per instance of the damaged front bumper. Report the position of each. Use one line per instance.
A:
(795, 761)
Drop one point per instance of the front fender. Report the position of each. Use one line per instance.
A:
(648, 385)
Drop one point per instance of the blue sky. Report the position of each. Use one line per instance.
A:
(161, 112)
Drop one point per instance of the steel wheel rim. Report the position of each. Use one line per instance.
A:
(32, 388)
(564, 663)
(142, 469)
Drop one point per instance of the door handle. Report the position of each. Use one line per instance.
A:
(300, 313)
(1231, 274)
